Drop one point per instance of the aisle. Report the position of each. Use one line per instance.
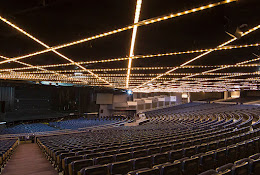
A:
(28, 160)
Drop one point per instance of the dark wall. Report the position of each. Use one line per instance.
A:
(79, 99)
(36, 101)
(6, 98)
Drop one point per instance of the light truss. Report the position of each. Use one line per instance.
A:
(199, 56)
(134, 57)
(48, 47)
(139, 79)
(132, 46)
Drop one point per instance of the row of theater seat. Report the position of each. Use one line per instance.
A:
(166, 139)
(165, 147)
(7, 146)
(201, 135)
(184, 165)
(70, 164)
(190, 166)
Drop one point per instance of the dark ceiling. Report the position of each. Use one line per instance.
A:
(56, 22)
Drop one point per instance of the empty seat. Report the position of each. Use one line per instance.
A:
(154, 171)
(104, 160)
(166, 148)
(229, 141)
(177, 146)
(241, 150)
(67, 161)
(172, 168)
(207, 161)
(231, 153)
(140, 153)
(190, 166)
(222, 143)
(111, 152)
(61, 157)
(93, 155)
(212, 146)
(143, 162)
(256, 144)
(255, 168)
(154, 150)
(188, 152)
(202, 148)
(225, 169)
(76, 166)
(186, 144)
(241, 167)
(196, 142)
(95, 170)
(250, 147)
(160, 158)
(123, 156)
(209, 172)
(220, 157)
(175, 155)
(122, 167)
(84, 152)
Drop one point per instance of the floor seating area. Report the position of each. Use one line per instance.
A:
(72, 124)
(79, 123)
(188, 139)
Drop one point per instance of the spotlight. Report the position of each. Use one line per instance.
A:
(129, 92)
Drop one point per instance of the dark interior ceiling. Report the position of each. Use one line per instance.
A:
(56, 22)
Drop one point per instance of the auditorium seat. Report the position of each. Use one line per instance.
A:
(255, 168)
(225, 169)
(95, 170)
(207, 161)
(76, 166)
(154, 171)
(172, 168)
(242, 167)
(190, 166)
(220, 157)
(103, 160)
(67, 161)
(143, 162)
(160, 158)
(231, 153)
(210, 172)
(122, 167)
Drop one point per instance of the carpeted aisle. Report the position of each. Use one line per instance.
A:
(28, 160)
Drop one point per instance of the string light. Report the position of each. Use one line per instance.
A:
(199, 56)
(135, 57)
(48, 47)
(132, 46)
(141, 23)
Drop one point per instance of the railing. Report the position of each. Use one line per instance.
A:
(160, 107)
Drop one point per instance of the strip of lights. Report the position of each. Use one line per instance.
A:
(136, 57)
(48, 47)
(141, 23)
(132, 46)
(199, 56)
(146, 68)
(64, 76)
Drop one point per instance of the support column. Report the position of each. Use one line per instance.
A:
(225, 95)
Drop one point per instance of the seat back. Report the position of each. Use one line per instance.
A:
(76, 166)
(122, 167)
(143, 162)
(190, 166)
(95, 170)
(173, 168)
